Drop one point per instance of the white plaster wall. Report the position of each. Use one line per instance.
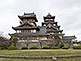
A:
(42, 38)
(28, 41)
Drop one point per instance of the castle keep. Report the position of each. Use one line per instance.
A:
(48, 34)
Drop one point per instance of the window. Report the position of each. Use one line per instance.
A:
(31, 38)
(26, 31)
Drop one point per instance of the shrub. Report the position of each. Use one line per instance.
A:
(34, 47)
(55, 47)
(24, 48)
(61, 45)
(65, 48)
(2, 48)
(77, 47)
(12, 48)
(46, 47)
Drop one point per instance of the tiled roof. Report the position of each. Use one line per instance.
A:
(69, 37)
(25, 26)
(49, 16)
(27, 34)
(28, 16)
(42, 30)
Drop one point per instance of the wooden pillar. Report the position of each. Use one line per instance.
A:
(40, 44)
(16, 31)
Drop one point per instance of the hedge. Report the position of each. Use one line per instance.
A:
(12, 48)
(24, 48)
(2, 48)
(55, 47)
(46, 47)
(77, 47)
(65, 48)
(34, 47)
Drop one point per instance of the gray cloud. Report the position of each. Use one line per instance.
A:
(67, 12)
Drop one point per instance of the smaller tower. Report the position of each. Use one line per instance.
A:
(53, 30)
(51, 25)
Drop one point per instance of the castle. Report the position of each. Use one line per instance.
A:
(48, 34)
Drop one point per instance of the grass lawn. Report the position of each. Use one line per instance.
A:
(65, 59)
(57, 52)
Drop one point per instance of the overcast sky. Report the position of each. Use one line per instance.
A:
(67, 12)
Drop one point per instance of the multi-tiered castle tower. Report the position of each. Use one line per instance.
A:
(27, 24)
(50, 24)
(53, 29)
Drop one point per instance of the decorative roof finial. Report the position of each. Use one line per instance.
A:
(48, 13)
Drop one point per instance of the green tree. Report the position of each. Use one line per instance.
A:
(4, 42)
(14, 40)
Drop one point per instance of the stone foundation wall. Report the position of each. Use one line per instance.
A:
(32, 44)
